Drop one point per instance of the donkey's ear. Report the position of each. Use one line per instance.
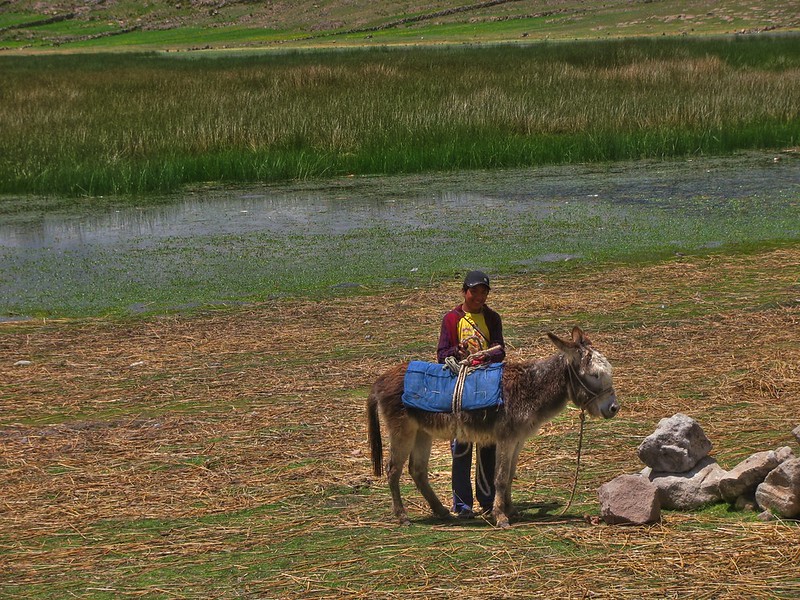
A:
(579, 337)
(564, 345)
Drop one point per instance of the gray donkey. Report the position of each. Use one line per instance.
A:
(533, 393)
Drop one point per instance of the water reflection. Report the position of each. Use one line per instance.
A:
(408, 202)
(229, 212)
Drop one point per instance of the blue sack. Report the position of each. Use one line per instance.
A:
(429, 386)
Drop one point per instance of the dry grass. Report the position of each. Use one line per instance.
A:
(224, 455)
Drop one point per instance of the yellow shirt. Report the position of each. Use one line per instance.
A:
(472, 328)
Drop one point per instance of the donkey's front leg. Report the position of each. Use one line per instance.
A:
(504, 466)
(513, 473)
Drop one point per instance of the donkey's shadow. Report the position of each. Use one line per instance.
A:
(525, 512)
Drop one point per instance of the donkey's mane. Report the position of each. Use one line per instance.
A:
(533, 382)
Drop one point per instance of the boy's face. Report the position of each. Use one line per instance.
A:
(475, 298)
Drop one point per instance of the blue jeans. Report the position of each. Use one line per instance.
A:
(484, 476)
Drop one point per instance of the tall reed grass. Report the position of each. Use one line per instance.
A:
(99, 124)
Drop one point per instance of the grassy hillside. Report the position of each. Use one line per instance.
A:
(196, 24)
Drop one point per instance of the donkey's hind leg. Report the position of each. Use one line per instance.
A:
(418, 467)
(399, 451)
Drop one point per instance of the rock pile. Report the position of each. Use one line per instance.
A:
(681, 475)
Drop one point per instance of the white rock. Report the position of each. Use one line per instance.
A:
(676, 446)
(784, 453)
(690, 490)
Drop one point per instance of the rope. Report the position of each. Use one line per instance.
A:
(577, 465)
(458, 392)
(573, 377)
(592, 396)
(464, 368)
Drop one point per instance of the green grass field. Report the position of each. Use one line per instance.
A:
(132, 124)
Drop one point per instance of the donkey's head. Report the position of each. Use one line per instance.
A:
(589, 375)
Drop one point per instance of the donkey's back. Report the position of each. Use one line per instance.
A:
(387, 397)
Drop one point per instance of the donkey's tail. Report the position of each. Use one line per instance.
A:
(374, 433)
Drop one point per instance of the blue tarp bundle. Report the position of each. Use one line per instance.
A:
(429, 386)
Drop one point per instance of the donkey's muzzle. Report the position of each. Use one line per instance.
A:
(609, 407)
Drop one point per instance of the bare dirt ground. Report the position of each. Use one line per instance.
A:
(161, 445)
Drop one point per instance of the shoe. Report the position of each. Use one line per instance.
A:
(465, 513)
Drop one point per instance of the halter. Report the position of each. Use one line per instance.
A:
(593, 396)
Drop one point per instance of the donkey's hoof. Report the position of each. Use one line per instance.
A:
(404, 521)
(503, 523)
(442, 513)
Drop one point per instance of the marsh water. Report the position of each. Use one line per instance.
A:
(239, 244)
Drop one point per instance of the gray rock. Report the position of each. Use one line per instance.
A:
(765, 516)
(629, 500)
(796, 432)
(746, 502)
(690, 490)
(676, 446)
(780, 492)
(745, 477)
(783, 454)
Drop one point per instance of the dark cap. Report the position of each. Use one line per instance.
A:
(474, 278)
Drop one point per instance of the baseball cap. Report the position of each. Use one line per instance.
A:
(474, 278)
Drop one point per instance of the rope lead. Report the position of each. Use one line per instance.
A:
(577, 464)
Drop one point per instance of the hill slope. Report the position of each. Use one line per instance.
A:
(186, 24)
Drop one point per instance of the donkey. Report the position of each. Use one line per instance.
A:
(533, 393)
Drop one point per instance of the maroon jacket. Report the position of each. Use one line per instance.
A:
(448, 337)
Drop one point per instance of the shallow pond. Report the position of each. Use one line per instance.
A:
(230, 245)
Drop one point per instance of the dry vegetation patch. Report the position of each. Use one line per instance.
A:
(171, 444)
